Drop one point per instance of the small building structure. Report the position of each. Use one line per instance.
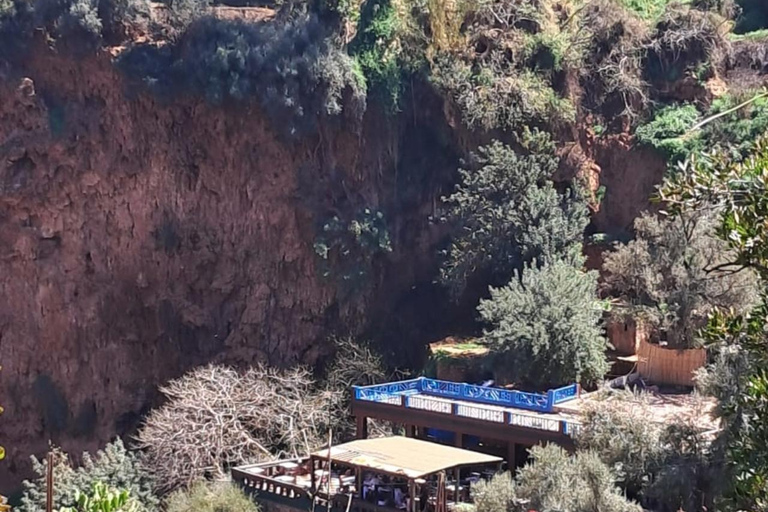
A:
(489, 419)
(387, 474)
(505, 422)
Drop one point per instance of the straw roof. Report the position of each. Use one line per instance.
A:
(411, 458)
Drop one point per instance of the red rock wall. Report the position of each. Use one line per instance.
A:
(138, 239)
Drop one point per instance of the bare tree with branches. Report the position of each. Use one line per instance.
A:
(216, 416)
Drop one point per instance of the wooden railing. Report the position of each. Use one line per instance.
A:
(266, 484)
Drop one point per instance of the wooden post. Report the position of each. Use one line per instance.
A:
(511, 456)
(312, 484)
(362, 427)
(49, 484)
(411, 495)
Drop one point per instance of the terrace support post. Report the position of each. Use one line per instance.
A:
(457, 471)
(411, 495)
(312, 487)
(362, 427)
(410, 431)
(511, 456)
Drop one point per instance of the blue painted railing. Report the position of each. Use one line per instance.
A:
(387, 393)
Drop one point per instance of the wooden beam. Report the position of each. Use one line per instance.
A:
(512, 456)
(361, 426)
(468, 426)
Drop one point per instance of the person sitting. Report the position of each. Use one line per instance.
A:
(399, 498)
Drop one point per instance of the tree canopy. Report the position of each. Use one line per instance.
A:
(668, 275)
(506, 213)
(544, 327)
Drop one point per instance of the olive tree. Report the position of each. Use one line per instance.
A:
(671, 275)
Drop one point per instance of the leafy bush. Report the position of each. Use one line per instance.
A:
(376, 49)
(103, 499)
(348, 247)
(113, 466)
(82, 16)
(544, 328)
(648, 9)
(495, 495)
(739, 129)
(210, 497)
(624, 439)
(686, 478)
(555, 482)
(664, 131)
(290, 67)
(669, 276)
(506, 213)
(489, 100)
(509, 74)
(182, 13)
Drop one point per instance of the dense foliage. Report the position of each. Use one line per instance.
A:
(624, 439)
(114, 466)
(210, 497)
(544, 329)
(291, 68)
(556, 480)
(738, 188)
(669, 276)
(495, 495)
(507, 214)
(102, 498)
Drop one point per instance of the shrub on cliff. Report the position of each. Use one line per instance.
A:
(506, 214)
(506, 77)
(544, 327)
(210, 497)
(671, 276)
(215, 416)
(291, 68)
(113, 466)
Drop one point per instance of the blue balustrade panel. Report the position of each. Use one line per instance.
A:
(393, 392)
(387, 393)
(487, 395)
(565, 393)
(531, 401)
(441, 388)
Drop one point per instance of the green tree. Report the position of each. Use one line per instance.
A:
(210, 497)
(506, 213)
(620, 433)
(667, 276)
(556, 481)
(114, 466)
(739, 189)
(495, 495)
(544, 328)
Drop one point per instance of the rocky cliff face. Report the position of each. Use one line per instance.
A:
(138, 239)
